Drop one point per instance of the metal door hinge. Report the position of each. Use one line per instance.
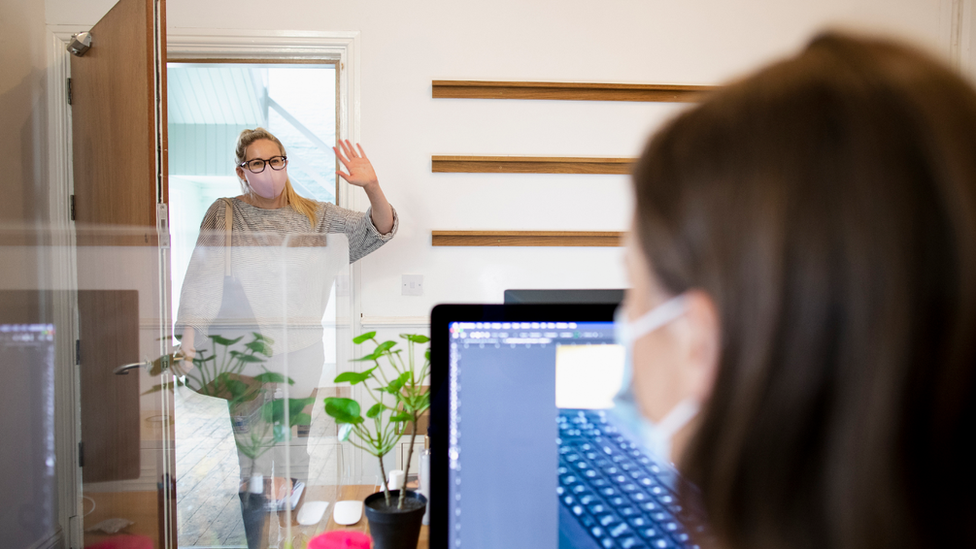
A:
(162, 224)
(69, 91)
(72, 207)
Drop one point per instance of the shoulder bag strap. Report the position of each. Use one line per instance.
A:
(228, 227)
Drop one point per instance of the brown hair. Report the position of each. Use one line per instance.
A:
(301, 204)
(827, 204)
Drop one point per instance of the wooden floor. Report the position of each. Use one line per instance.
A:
(208, 507)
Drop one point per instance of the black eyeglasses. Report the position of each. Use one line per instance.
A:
(257, 165)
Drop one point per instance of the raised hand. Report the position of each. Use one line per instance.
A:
(360, 170)
(361, 174)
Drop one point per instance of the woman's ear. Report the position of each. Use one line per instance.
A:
(704, 342)
(240, 174)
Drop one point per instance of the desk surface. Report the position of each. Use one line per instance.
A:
(328, 493)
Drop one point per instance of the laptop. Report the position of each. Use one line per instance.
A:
(526, 449)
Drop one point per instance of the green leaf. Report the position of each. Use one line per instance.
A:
(427, 355)
(249, 358)
(300, 419)
(416, 338)
(281, 433)
(273, 377)
(353, 377)
(358, 340)
(397, 384)
(264, 338)
(402, 416)
(343, 410)
(273, 411)
(236, 388)
(383, 347)
(224, 341)
(344, 430)
(375, 410)
(260, 347)
(296, 405)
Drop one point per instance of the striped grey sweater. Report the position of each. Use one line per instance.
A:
(284, 282)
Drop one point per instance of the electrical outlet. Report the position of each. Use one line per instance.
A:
(412, 285)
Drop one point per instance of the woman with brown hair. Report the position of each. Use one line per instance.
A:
(818, 219)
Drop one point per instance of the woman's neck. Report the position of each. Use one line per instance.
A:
(265, 203)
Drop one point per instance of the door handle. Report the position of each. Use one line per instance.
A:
(123, 370)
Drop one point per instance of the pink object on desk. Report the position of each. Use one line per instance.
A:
(340, 539)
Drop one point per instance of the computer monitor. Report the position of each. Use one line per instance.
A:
(563, 296)
(526, 449)
(27, 457)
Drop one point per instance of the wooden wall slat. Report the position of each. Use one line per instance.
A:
(530, 164)
(606, 239)
(568, 91)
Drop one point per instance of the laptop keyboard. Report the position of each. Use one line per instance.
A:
(617, 493)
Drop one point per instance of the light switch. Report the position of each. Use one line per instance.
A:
(412, 284)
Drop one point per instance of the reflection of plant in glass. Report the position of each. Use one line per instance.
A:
(410, 400)
(271, 426)
(218, 373)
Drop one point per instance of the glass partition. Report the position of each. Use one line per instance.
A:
(130, 439)
(265, 348)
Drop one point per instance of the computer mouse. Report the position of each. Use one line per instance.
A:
(347, 512)
(311, 512)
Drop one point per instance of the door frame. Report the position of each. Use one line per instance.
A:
(190, 44)
(67, 381)
(183, 44)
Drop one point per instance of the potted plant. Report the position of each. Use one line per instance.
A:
(398, 397)
(260, 417)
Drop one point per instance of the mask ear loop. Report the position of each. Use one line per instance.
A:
(678, 417)
(659, 316)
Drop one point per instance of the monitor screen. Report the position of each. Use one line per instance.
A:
(27, 509)
(526, 449)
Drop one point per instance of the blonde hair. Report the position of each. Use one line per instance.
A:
(298, 202)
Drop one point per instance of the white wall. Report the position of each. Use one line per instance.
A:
(405, 45)
(22, 112)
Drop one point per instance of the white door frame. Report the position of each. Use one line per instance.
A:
(67, 419)
(343, 47)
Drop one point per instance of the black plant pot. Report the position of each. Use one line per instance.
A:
(254, 511)
(394, 528)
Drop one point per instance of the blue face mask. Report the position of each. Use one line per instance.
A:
(655, 436)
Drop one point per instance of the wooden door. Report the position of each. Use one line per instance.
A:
(118, 142)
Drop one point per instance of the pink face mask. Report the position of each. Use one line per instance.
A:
(267, 184)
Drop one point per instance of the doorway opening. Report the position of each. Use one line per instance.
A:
(209, 104)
